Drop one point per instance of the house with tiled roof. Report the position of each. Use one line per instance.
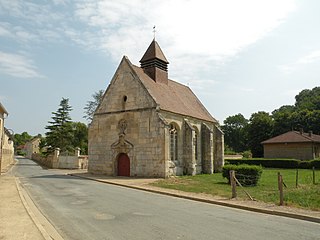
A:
(32, 146)
(148, 125)
(293, 144)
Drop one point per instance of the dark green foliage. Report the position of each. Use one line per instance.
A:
(282, 119)
(260, 128)
(242, 135)
(235, 132)
(308, 99)
(277, 163)
(21, 139)
(80, 136)
(247, 175)
(60, 132)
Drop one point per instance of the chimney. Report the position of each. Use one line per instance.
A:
(310, 133)
(301, 131)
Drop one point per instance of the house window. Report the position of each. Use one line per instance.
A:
(173, 143)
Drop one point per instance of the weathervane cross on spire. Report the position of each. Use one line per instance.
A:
(154, 32)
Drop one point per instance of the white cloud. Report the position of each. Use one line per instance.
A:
(4, 30)
(18, 65)
(195, 35)
(307, 59)
(310, 58)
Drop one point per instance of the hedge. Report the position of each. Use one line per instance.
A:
(247, 175)
(276, 163)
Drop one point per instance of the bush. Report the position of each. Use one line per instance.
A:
(268, 163)
(247, 154)
(247, 175)
(277, 163)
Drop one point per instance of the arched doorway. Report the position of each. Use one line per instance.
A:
(123, 165)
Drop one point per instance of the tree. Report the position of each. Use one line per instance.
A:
(92, 105)
(235, 132)
(283, 121)
(308, 99)
(80, 136)
(60, 129)
(21, 139)
(260, 128)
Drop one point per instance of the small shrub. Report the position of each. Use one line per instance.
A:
(247, 175)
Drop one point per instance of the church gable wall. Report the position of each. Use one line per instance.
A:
(144, 136)
(125, 92)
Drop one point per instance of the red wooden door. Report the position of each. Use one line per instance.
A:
(123, 165)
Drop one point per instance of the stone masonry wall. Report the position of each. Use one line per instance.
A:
(7, 153)
(126, 121)
(145, 135)
(303, 151)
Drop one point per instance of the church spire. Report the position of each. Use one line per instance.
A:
(155, 64)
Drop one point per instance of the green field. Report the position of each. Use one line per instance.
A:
(306, 195)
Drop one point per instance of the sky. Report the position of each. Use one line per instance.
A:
(237, 56)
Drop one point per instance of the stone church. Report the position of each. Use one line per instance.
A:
(148, 125)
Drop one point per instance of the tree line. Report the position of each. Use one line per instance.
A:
(243, 134)
(62, 132)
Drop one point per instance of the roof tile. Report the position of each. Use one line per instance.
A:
(293, 137)
(174, 97)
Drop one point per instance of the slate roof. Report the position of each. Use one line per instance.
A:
(293, 137)
(174, 97)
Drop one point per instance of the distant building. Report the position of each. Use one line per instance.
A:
(32, 146)
(6, 143)
(293, 144)
(150, 126)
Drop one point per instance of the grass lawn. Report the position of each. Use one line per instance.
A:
(306, 195)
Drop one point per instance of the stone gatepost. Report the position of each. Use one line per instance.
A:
(77, 152)
(55, 160)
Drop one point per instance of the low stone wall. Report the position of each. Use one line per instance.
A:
(64, 162)
(42, 160)
(238, 156)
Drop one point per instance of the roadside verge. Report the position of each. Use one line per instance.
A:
(143, 184)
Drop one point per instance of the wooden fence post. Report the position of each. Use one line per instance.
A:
(297, 177)
(280, 186)
(233, 183)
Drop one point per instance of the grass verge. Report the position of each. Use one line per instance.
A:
(306, 195)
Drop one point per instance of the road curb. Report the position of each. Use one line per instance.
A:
(225, 204)
(44, 226)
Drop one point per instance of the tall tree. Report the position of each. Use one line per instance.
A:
(283, 121)
(60, 129)
(92, 105)
(235, 132)
(260, 128)
(308, 99)
(80, 136)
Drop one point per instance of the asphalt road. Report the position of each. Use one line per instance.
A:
(85, 209)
